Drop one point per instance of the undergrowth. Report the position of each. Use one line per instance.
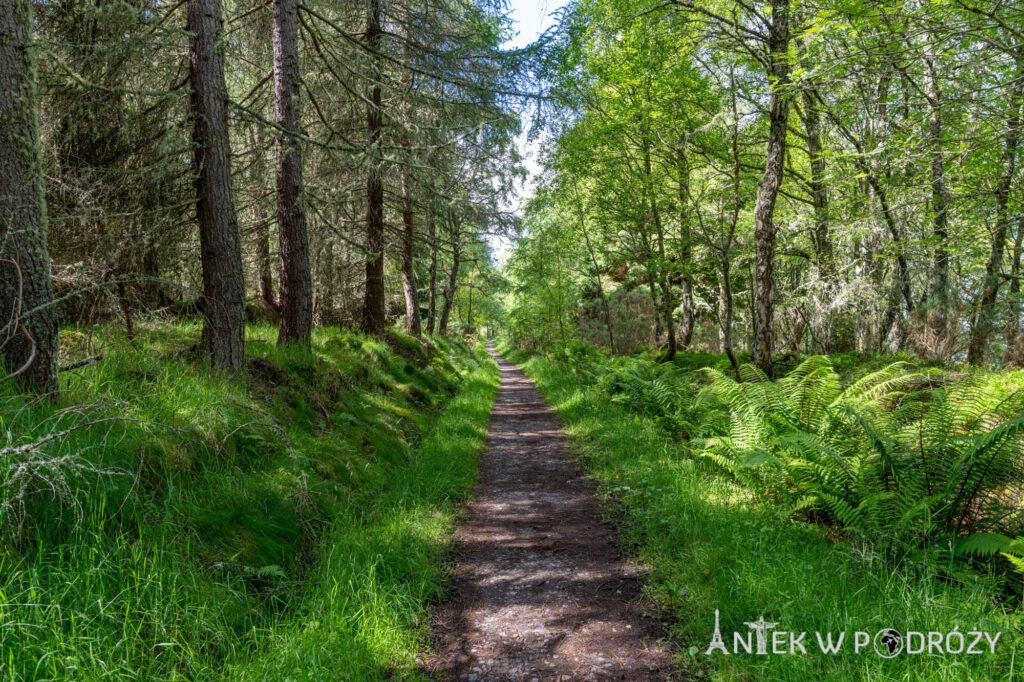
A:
(161, 522)
(711, 479)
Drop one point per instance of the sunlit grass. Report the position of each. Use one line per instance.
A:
(708, 548)
(206, 534)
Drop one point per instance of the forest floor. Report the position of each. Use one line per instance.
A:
(540, 590)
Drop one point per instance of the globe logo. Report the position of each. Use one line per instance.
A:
(888, 643)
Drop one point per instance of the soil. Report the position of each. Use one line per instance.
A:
(540, 589)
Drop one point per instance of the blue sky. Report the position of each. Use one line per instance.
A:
(532, 18)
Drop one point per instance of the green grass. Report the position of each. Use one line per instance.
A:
(710, 546)
(366, 616)
(239, 526)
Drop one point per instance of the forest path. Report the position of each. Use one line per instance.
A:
(540, 590)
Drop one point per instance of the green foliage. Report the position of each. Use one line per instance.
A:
(885, 456)
(710, 544)
(185, 516)
(903, 458)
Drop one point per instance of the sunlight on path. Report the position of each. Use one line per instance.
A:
(540, 591)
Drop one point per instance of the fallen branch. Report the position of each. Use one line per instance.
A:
(81, 363)
(36, 444)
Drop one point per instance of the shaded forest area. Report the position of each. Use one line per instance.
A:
(306, 165)
(215, 220)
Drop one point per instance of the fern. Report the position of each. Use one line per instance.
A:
(881, 457)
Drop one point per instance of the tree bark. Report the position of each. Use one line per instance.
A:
(938, 305)
(661, 272)
(837, 331)
(453, 278)
(685, 248)
(1013, 354)
(768, 190)
(223, 341)
(296, 278)
(409, 289)
(374, 310)
(261, 228)
(28, 337)
(982, 329)
(432, 268)
(597, 270)
(726, 310)
(412, 300)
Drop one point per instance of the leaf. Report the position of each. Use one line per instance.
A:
(981, 544)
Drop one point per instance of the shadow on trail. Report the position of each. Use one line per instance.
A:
(540, 590)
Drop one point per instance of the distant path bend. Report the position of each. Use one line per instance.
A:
(540, 590)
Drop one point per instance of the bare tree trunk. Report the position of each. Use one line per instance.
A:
(685, 247)
(727, 311)
(432, 268)
(325, 298)
(296, 278)
(655, 304)
(453, 278)
(409, 288)
(28, 322)
(667, 302)
(661, 271)
(938, 305)
(725, 315)
(374, 311)
(768, 190)
(261, 228)
(223, 285)
(412, 300)
(1013, 349)
(982, 329)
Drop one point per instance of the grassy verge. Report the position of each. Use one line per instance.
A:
(366, 616)
(709, 548)
(188, 525)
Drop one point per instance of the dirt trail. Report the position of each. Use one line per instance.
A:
(540, 590)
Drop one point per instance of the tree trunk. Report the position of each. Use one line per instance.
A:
(661, 272)
(982, 329)
(261, 227)
(725, 315)
(409, 289)
(325, 299)
(837, 331)
(296, 279)
(432, 268)
(223, 341)
(768, 190)
(453, 278)
(1013, 348)
(938, 305)
(374, 311)
(685, 248)
(597, 270)
(653, 287)
(412, 299)
(28, 337)
(726, 311)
